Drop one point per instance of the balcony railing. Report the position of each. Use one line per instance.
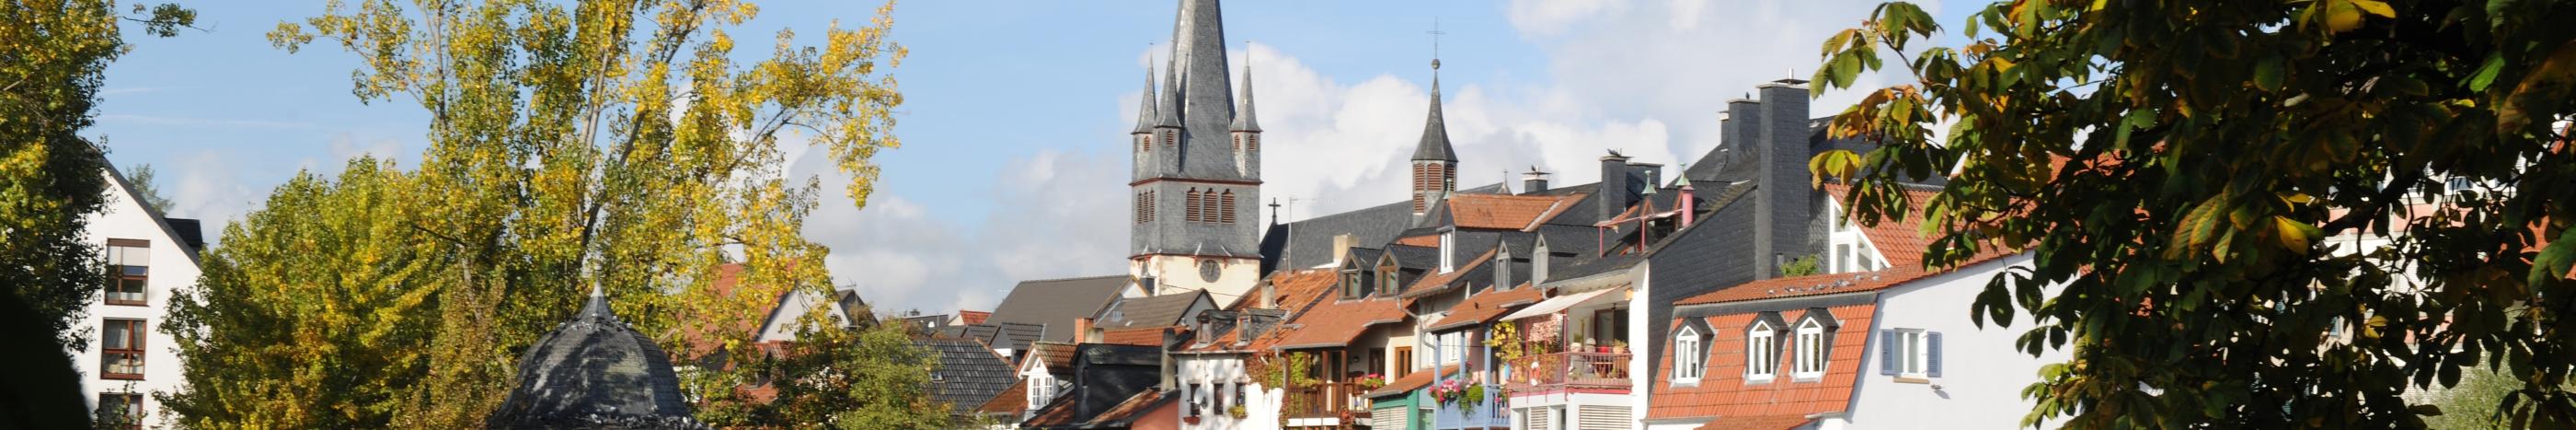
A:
(1489, 413)
(1598, 370)
(1326, 400)
(126, 364)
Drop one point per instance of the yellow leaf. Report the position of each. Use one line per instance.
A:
(2341, 17)
(2295, 235)
(2375, 7)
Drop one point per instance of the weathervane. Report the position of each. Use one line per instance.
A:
(1435, 42)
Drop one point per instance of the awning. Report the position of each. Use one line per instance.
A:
(1557, 304)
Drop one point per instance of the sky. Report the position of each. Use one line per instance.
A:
(1016, 112)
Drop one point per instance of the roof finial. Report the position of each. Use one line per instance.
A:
(1435, 47)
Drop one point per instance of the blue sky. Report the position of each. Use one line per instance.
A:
(1016, 111)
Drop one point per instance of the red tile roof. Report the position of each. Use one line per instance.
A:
(1336, 322)
(1761, 422)
(1831, 283)
(973, 317)
(1009, 401)
(1410, 382)
(1134, 409)
(1440, 282)
(1139, 336)
(1484, 308)
(1426, 241)
(1902, 241)
(1298, 290)
(1723, 392)
(1058, 356)
(1507, 211)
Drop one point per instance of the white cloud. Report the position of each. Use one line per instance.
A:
(203, 185)
(1644, 79)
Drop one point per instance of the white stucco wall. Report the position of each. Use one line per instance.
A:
(1261, 404)
(171, 270)
(1982, 372)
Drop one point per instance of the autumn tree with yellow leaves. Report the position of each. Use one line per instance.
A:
(618, 145)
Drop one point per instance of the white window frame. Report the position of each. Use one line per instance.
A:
(1689, 361)
(1914, 354)
(1811, 350)
(1041, 389)
(1761, 353)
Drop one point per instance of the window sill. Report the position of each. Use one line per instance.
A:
(1685, 382)
(1912, 379)
(127, 303)
(1759, 380)
(121, 376)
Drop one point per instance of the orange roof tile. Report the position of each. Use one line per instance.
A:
(1009, 401)
(1426, 241)
(1830, 283)
(1335, 323)
(1507, 211)
(1484, 308)
(1759, 422)
(973, 317)
(1134, 409)
(1723, 392)
(1439, 282)
(1138, 336)
(1410, 382)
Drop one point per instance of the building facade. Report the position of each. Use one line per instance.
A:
(1196, 186)
(151, 257)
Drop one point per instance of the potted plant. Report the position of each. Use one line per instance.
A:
(1473, 394)
(1235, 411)
(1619, 346)
(1372, 381)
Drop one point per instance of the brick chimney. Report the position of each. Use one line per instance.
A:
(1269, 295)
(1082, 331)
(1783, 197)
(1342, 247)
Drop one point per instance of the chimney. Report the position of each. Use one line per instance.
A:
(1172, 341)
(1269, 295)
(1689, 203)
(1342, 247)
(1613, 190)
(1780, 224)
(1082, 331)
(1533, 182)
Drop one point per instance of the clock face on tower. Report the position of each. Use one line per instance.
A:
(1208, 270)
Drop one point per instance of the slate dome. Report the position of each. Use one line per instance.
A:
(594, 372)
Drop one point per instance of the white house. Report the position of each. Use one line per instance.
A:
(125, 362)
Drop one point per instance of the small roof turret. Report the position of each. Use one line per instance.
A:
(1435, 131)
(1243, 118)
(1168, 114)
(1145, 114)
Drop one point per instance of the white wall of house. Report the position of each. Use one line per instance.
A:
(1212, 379)
(169, 268)
(1981, 375)
(781, 325)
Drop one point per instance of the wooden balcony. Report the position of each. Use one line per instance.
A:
(1570, 370)
(1326, 400)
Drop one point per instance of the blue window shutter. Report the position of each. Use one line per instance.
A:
(1887, 352)
(1932, 351)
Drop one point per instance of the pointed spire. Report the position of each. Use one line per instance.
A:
(597, 308)
(1243, 118)
(1435, 131)
(1145, 114)
(1202, 103)
(1168, 113)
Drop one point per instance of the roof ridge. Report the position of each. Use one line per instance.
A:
(1076, 278)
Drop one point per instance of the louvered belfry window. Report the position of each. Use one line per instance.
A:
(1190, 203)
(1225, 208)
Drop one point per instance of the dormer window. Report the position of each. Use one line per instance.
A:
(1448, 252)
(1351, 288)
(1689, 361)
(1761, 352)
(1811, 350)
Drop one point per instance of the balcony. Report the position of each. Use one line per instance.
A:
(121, 364)
(1570, 370)
(1326, 400)
(1491, 413)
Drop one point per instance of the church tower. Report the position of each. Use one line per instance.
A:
(1435, 165)
(1198, 170)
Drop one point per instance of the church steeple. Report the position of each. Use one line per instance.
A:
(1243, 117)
(1145, 114)
(1197, 193)
(1435, 165)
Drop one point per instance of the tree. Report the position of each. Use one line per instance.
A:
(57, 53)
(610, 144)
(869, 376)
(2178, 169)
(147, 187)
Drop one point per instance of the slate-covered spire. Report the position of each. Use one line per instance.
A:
(1168, 111)
(1198, 53)
(1435, 132)
(1145, 114)
(1243, 117)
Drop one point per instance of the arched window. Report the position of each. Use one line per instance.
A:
(1145, 143)
(1207, 205)
(1150, 204)
(1761, 352)
(1689, 362)
(1252, 141)
(1225, 207)
(1140, 208)
(1811, 350)
(1169, 138)
(1190, 199)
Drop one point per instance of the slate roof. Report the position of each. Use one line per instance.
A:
(1722, 391)
(1056, 303)
(1435, 131)
(1298, 291)
(594, 372)
(969, 373)
(1012, 336)
(1149, 311)
(1310, 241)
(1437, 283)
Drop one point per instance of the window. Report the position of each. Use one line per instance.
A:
(1140, 208)
(1252, 142)
(121, 342)
(1843, 261)
(1910, 353)
(1145, 143)
(1448, 247)
(1388, 275)
(1169, 138)
(1351, 287)
(1041, 390)
(1149, 206)
(1811, 350)
(1190, 205)
(1403, 362)
(1689, 362)
(120, 410)
(1225, 207)
(129, 264)
(1761, 353)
